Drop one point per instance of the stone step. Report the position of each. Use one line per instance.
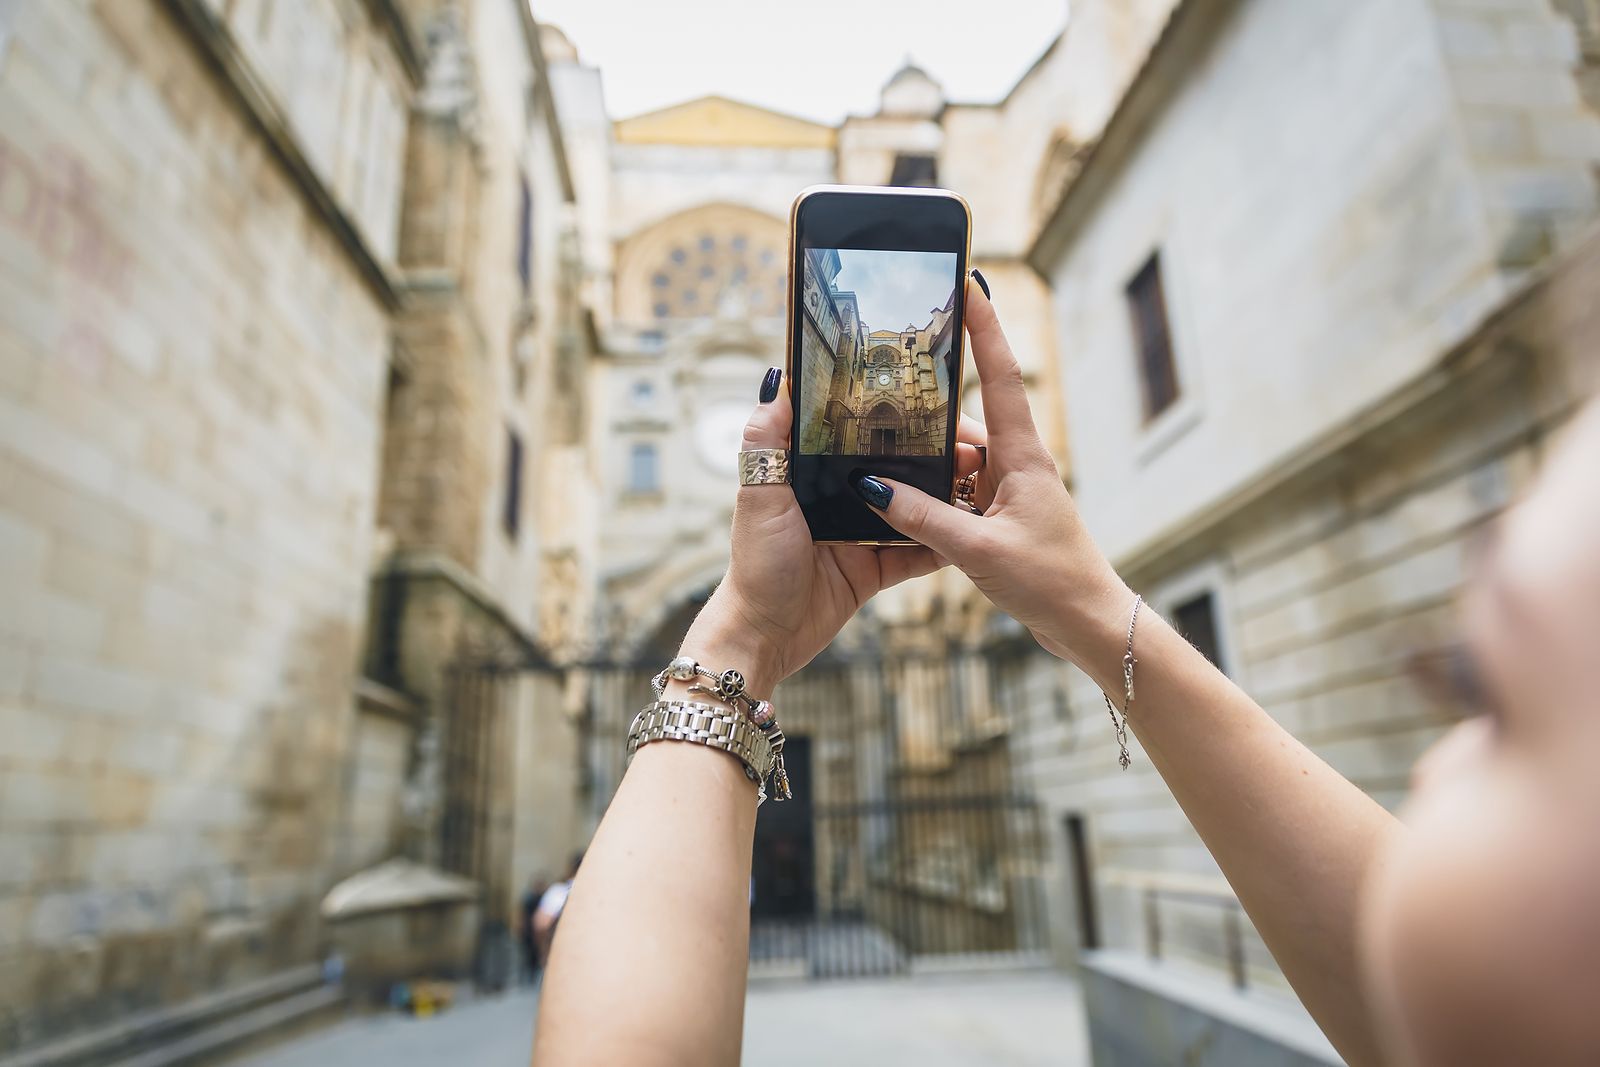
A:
(271, 1020)
(286, 995)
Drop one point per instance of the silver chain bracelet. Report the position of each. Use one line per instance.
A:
(1120, 722)
(728, 687)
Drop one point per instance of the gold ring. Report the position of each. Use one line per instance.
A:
(764, 466)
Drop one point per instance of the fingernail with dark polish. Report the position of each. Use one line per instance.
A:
(983, 283)
(983, 456)
(769, 385)
(874, 492)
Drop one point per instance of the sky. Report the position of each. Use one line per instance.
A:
(896, 289)
(821, 60)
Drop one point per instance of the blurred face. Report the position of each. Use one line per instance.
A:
(1482, 928)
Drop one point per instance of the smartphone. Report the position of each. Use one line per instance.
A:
(875, 348)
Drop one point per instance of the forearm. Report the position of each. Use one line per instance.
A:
(1295, 839)
(650, 960)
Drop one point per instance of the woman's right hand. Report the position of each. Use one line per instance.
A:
(1029, 551)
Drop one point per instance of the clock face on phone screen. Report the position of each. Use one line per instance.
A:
(718, 432)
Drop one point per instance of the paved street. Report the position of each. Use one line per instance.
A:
(1005, 1020)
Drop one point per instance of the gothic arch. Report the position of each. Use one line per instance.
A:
(691, 264)
(646, 606)
(886, 411)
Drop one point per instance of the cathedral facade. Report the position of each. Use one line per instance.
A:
(870, 392)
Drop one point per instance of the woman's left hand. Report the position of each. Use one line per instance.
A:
(785, 597)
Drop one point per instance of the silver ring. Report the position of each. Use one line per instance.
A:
(966, 493)
(764, 466)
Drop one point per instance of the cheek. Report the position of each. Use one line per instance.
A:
(1469, 926)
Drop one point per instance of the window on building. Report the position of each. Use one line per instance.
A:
(1148, 304)
(511, 512)
(525, 236)
(643, 392)
(643, 469)
(915, 171)
(1196, 620)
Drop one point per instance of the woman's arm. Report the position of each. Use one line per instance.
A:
(649, 967)
(649, 962)
(1295, 839)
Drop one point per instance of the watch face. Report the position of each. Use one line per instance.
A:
(883, 378)
(718, 432)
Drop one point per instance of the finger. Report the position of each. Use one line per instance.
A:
(972, 431)
(950, 531)
(896, 565)
(768, 427)
(969, 460)
(1005, 400)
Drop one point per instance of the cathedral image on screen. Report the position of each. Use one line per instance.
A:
(877, 352)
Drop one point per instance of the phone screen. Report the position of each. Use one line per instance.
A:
(876, 350)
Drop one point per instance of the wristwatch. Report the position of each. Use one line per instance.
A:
(719, 727)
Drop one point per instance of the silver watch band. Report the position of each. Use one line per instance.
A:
(705, 724)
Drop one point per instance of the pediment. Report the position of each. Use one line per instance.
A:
(719, 121)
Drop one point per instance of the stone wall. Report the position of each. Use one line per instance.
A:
(1369, 232)
(375, 777)
(192, 365)
(1328, 588)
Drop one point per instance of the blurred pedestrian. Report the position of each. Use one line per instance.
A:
(552, 902)
(531, 960)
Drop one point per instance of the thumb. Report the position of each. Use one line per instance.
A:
(949, 531)
(768, 427)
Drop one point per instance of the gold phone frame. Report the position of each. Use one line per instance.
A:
(789, 310)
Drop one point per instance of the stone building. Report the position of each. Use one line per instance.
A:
(870, 392)
(369, 402)
(289, 364)
(690, 284)
(686, 261)
(1323, 293)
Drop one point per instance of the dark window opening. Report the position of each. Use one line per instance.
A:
(914, 171)
(1153, 334)
(525, 237)
(1196, 620)
(511, 516)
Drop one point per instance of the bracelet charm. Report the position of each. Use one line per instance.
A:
(728, 687)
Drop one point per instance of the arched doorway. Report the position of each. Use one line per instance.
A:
(882, 428)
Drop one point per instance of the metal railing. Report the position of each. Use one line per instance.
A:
(1231, 914)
